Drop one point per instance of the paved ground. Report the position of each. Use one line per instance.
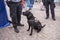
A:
(50, 32)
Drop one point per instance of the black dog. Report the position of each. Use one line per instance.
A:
(34, 24)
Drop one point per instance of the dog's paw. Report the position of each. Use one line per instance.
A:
(30, 34)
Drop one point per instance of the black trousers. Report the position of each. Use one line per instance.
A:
(15, 13)
(52, 6)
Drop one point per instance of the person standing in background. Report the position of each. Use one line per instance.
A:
(50, 3)
(15, 13)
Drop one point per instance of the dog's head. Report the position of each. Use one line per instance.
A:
(28, 14)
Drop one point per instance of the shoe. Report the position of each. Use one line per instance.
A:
(16, 30)
(46, 17)
(54, 19)
(20, 25)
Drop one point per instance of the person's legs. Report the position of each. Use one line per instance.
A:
(19, 11)
(31, 1)
(31, 4)
(47, 10)
(14, 21)
(52, 6)
(13, 15)
(27, 2)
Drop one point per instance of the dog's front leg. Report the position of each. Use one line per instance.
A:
(31, 31)
(28, 28)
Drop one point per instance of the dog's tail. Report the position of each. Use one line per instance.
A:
(43, 26)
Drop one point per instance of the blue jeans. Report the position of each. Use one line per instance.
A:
(29, 3)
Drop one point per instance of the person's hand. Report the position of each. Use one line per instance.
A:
(22, 2)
